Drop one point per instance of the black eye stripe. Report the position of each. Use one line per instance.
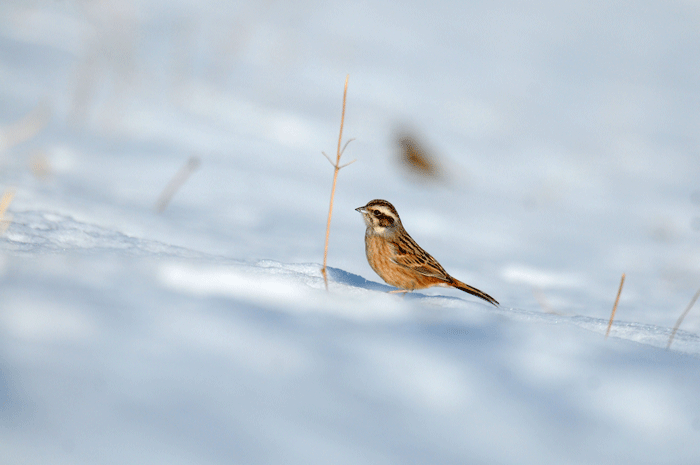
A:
(384, 220)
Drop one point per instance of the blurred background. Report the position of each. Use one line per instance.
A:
(544, 148)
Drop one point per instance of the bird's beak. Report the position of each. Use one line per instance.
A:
(360, 209)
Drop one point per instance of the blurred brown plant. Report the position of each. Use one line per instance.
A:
(176, 182)
(26, 128)
(4, 203)
(108, 61)
(417, 159)
(542, 300)
(39, 165)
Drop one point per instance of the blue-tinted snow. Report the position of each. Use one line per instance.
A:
(569, 132)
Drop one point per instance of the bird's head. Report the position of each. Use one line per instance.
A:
(380, 216)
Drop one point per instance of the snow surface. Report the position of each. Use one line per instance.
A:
(569, 132)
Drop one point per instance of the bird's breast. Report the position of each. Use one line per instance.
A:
(380, 255)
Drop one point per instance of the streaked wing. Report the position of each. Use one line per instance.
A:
(410, 255)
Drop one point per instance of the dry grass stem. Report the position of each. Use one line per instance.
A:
(617, 300)
(4, 203)
(176, 182)
(336, 168)
(680, 319)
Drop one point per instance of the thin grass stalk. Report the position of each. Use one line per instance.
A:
(617, 300)
(336, 168)
(176, 183)
(680, 319)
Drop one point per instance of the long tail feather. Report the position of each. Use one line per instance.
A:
(473, 291)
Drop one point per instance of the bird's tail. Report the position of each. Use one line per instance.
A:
(473, 291)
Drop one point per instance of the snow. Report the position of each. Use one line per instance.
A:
(205, 334)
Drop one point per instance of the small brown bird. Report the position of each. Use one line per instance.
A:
(396, 257)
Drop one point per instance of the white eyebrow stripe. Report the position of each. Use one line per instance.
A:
(384, 210)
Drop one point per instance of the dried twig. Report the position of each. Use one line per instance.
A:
(680, 320)
(336, 168)
(617, 299)
(175, 183)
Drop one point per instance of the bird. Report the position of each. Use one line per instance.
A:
(398, 259)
